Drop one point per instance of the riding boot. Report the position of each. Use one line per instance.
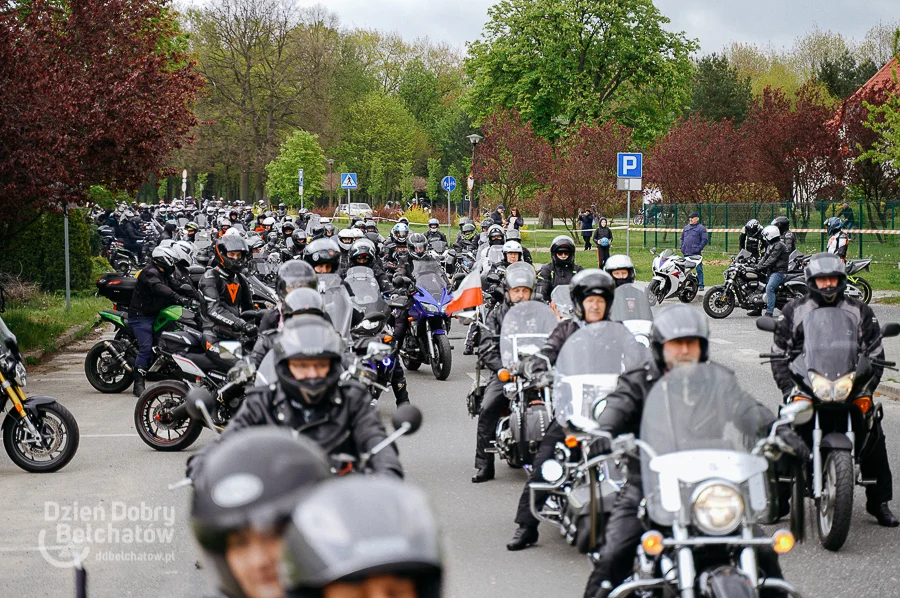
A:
(139, 379)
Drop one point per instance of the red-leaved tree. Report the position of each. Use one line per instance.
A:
(584, 171)
(91, 92)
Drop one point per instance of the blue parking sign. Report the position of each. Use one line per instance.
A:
(630, 165)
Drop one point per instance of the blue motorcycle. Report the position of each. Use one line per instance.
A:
(426, 341)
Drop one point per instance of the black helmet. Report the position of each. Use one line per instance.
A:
(752, 227)
(620, 262)
(520, 274)
(303, 301)
(322, 251)
(170, 227)
(782, 223)
(317, 231)
(231, 242)
(833, 225)
(418, 246)
(495, 235)
(233, 215)
(308, 337)
(251, 479)
(824, 265)
(288, 227)
(486, 224)
(299, 238)
(592, 282)
(433, 222)
(468, 230)
(463, 221)
(295, 274)
(678, 321)
(372, 526)
(364, 250)
(562, 243)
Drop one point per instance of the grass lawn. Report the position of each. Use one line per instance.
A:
(39, 322)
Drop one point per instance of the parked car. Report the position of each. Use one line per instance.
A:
(363, 210)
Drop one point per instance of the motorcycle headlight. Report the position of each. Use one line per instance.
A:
(829, 391)
(843, 386)
(368, 325)
(20, 374)
(821, 386)
(510, 389)
(718, 509)
(430, 308)
(552, 471)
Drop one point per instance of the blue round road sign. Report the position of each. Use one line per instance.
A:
(448, 183)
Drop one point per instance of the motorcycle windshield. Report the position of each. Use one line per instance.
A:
(667, 253)
(701, 413)
(329, 281)
(363, 284)
(630, 303)
(562, 301)
(429, 275)
(526, 327)
(339, 308)
(830, 343)
(439, 246)
(743, 256)
(588, 365)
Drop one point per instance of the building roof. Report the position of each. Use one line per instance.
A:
(884, 77)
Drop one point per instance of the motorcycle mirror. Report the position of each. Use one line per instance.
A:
(407, 414)
(891, 329)
(795, 409)
(766, 323)
(204, 397)
(466, 317)
(375, 349)
(579, 423)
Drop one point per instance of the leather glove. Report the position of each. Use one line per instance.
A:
(241, 370)
(793, 440)
(249, 329)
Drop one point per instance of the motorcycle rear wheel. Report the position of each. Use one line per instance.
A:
(440, 367)
(865, 288)
(834, 509)
(150, 412)
(103, 373)
(57, 425)
(718, 303)
(689, 292)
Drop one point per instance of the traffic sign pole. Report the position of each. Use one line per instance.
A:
(448, 216)
(629, 170)
(628, 225)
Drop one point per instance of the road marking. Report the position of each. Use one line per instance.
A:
(107, 435)
(720, 341)
(471, 375)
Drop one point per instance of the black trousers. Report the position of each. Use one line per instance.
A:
(602, 255)
(491, 407)
(554, 434)
(398, 382)
(587, 241)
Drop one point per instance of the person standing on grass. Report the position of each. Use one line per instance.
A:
(603, 238)
(693, 240)
(515, 220)
(586, 225)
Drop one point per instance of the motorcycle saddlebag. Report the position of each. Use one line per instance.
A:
(180, 342)
(117, 287)
(537, 420)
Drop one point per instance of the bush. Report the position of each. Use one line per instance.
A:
(417, 215)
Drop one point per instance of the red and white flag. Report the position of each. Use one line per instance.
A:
(468, 295)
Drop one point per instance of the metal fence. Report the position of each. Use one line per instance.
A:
(873, 225)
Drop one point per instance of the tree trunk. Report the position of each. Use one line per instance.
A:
(260, 190)
(545, 220)
(245, 185)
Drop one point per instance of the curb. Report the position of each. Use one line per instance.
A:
(890, 390)
(64, 339)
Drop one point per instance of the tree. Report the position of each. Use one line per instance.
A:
(419, 91)
(433, 184)
(584, 171)
(91, 93)
(300, 150)
(560, 62)
(407, 181)
(843, 76)
(884, 121)
(718, 91)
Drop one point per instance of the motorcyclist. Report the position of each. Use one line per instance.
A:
(838, 239)
(323, 255)
(300, 240)
(495, 236)
(520, 282)
(363, 253)
(513, 253)
(396, 245)
(291, 275)
(310, 398)
(152, 293)
(679, 338)
(226, 292)
(775, 263)
(486, 224)
(260, 227)
(268, 224)
(593, 292)
(224, 226)
(787, 237)
(560, 270)
(467, 240)
(329, 230)
(826, 279)
(282, 211)
(514, 234)
(170, 231)
(302, 301)
(398, 521)
(241, 540)
(434, 231)
(287, 233)
(131, 234)
(751, 238)
(190, 231)
(303, 218)
(621, 268)
(345, 239)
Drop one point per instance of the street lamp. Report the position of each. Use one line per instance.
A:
(330, 183)
(474, 139)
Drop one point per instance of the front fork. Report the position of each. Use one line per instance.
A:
(817, 452)
(18, 399)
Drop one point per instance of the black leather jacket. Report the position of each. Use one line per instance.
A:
(153, 293)
(550, 276)
(224, 296)
(775, 259)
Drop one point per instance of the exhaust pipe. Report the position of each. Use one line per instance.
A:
(117, 355)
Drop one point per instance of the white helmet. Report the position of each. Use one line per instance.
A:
(346, 237)
(770, 233)
(270, 222)
(513, 247)
(185, 250)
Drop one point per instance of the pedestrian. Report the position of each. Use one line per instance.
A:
(693, 240)
(846, 215)
(497, 215)
(603, 238)
(515, 220)
(586, 226)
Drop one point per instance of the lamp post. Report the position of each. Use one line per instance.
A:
(474, 139)
(330, 183)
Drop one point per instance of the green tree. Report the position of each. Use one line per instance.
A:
(433, 186)
(300, 150)
(407, 181)
(564, 61)
(719, 91)
(419, 91)
(884, 120)
(844, 75)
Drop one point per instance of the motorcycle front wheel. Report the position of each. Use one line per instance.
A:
(689, 292)
(718, 303)
(103, 373)
(60, 435)
(440, 367)
(652, 290)
(835, 509)
(153, 418)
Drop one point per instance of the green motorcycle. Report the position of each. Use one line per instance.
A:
(109, 365)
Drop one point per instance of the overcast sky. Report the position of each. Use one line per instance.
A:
(714, 22)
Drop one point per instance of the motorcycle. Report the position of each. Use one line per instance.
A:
(581, 489)
(673, 275)
(427, 340)
(745, 287)
(835, 379)
(39, 434)
(707, 482)
(631, 307)
(462, 264)
(526, 327)
(857, 286)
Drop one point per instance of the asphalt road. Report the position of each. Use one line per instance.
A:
(114, 475)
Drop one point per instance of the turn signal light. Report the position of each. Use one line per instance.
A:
(503, 375)
(571, 441)
(783, 541)
(864, 404)
(652, 542)
(388, 338)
